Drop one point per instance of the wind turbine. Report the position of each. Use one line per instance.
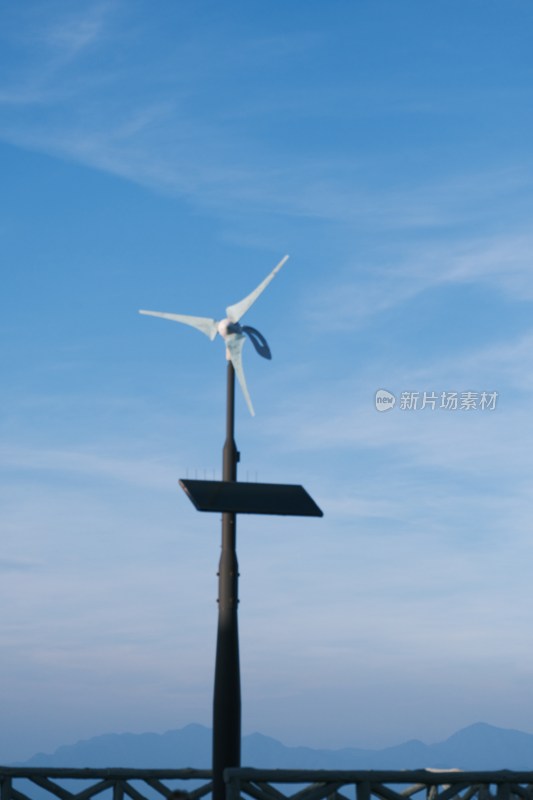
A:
(230, 329)
(231, 497)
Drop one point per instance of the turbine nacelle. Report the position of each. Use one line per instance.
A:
(229, 328)
(226, 327)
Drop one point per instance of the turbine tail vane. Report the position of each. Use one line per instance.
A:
(238, 310)
(258, 341)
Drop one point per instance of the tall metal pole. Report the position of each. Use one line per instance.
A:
(227, 694)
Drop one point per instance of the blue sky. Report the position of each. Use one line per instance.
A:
(167, 155)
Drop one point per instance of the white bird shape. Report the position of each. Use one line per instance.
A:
(229, 328)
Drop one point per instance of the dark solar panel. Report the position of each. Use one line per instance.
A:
(251, 498)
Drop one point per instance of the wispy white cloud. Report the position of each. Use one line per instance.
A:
(69, 36)
(15, 565)
(432, 436)
(500, 261)
(150, 473)
(47, 46)
(162, 134)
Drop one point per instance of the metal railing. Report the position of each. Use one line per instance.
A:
(420, 784)
(47, 783)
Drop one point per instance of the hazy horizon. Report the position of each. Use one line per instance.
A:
(479, 740)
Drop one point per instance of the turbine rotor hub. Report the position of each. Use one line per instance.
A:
(225, 327)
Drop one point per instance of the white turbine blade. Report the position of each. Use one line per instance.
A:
(234, 344)
(203, 324)
(236, 311)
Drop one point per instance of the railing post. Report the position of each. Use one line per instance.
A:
(363, 790)
(233, 784)
(5, 790)
(484, 792)
(504, 791)
(432, 792)
(118, 790)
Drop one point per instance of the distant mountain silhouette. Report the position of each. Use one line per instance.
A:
(479, 746)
